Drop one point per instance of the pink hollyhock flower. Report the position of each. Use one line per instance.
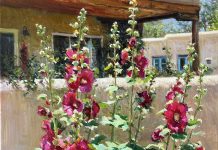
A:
(79, 145)
(124, 56)
(71, 54)
(68, 71)
(132, 42)
(146, 99)
(71, 103)
(176, 117)
(92, 112)
(141, 62)
(86, 79)
(156, 135)
(41, 111)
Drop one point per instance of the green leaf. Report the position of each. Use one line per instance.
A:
(42, 97)
(187, 147)
(179, 136)
(100, 147)
(112, 88)
(109, 66)
(159, 146)
(164, 132)
(98, 138)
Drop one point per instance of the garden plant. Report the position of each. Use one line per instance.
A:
(70, 121)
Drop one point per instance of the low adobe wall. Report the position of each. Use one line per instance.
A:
(21, 127)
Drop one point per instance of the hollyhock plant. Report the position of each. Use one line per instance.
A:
(176, 117)
(180, 122)
(71, 103)
(66, 115)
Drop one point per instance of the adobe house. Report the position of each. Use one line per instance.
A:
(18, 19)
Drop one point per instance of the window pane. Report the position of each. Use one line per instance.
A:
(61, 43)
(6, 53)
(163, 64)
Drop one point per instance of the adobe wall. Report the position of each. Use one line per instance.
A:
(178, 43)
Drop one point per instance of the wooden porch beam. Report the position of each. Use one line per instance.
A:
(195, 41)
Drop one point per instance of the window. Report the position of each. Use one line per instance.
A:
(182, 61)
(63, 41)
(159, 63)
(8, 50)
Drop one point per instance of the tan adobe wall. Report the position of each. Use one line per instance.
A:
(16, 18)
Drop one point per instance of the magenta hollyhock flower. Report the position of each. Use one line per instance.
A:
(68, 71)
(71, 54)
(71, 103)
(132, 42)
(146, 99)
(41, 111)
(92, 112)
(124, 56)
(79, 145)
(86, 80)
(155, 137)
(176, 117)
(141, 62)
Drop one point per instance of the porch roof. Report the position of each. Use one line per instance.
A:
(116, 9)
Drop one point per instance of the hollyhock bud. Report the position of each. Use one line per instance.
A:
(146, 99)
(176, 117)
(156, 135)
(132, 42)
(41, 111)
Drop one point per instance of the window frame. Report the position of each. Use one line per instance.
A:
(160, 61)
(16, 47)
(72, 35)
(179, 61)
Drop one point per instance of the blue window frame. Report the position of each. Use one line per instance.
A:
(159, 63)
(182, 61)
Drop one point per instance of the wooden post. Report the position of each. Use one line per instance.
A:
(195, 41)
(140, 28)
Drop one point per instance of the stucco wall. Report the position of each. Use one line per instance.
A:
(178, 43)
(16, 18)
(20, 125)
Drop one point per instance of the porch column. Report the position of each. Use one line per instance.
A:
(195, 41)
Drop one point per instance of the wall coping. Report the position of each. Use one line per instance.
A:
(209, 80)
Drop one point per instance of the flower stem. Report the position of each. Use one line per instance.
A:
(131, 113)
(168, 141)
(139, 125)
